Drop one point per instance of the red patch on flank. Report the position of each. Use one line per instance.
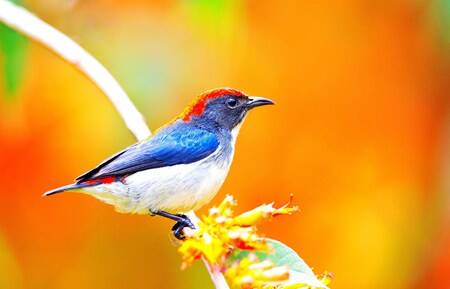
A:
(105, 180)
(199, 103)
(108, 180)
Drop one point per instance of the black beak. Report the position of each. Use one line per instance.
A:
(255, 101)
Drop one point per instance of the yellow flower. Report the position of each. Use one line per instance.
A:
(249, 272)
(220, 232)
(265, 211)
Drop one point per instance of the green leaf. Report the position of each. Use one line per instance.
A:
(282, 255)
(13, 47)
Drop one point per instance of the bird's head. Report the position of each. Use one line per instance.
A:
(223, 107)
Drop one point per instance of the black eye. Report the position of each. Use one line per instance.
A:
(232, 102)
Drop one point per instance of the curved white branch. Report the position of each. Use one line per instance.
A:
(20, 19)
(23, 21)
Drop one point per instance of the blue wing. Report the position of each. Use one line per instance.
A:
(177, 144)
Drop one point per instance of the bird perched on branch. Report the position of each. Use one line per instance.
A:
(178, 169)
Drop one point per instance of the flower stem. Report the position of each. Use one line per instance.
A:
(216, 276)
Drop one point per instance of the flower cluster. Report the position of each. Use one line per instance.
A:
(231, 245)
(220, 232)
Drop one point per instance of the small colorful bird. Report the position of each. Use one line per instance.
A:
(178, 169)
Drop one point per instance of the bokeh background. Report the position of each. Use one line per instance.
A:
(360, 135)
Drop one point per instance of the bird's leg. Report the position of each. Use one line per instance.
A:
(182, 221)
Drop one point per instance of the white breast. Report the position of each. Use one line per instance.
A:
(176, 189)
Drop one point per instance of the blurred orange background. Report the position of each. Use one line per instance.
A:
(360, 134)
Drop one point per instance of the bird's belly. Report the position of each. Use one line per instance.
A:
(175, 189)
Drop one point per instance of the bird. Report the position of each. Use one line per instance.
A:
(179, 168)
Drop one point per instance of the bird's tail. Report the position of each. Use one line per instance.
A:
(71, 187)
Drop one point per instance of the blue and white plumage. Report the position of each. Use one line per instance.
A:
(181, 172)
(178, 169)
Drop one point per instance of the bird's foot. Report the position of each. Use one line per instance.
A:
(182, 223)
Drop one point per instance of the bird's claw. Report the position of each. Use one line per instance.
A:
(177, 229)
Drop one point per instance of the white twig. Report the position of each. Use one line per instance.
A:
(20, 19)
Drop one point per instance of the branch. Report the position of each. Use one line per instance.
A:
(23, 21)
(20, 19)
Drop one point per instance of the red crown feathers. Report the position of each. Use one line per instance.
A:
(198, 105)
